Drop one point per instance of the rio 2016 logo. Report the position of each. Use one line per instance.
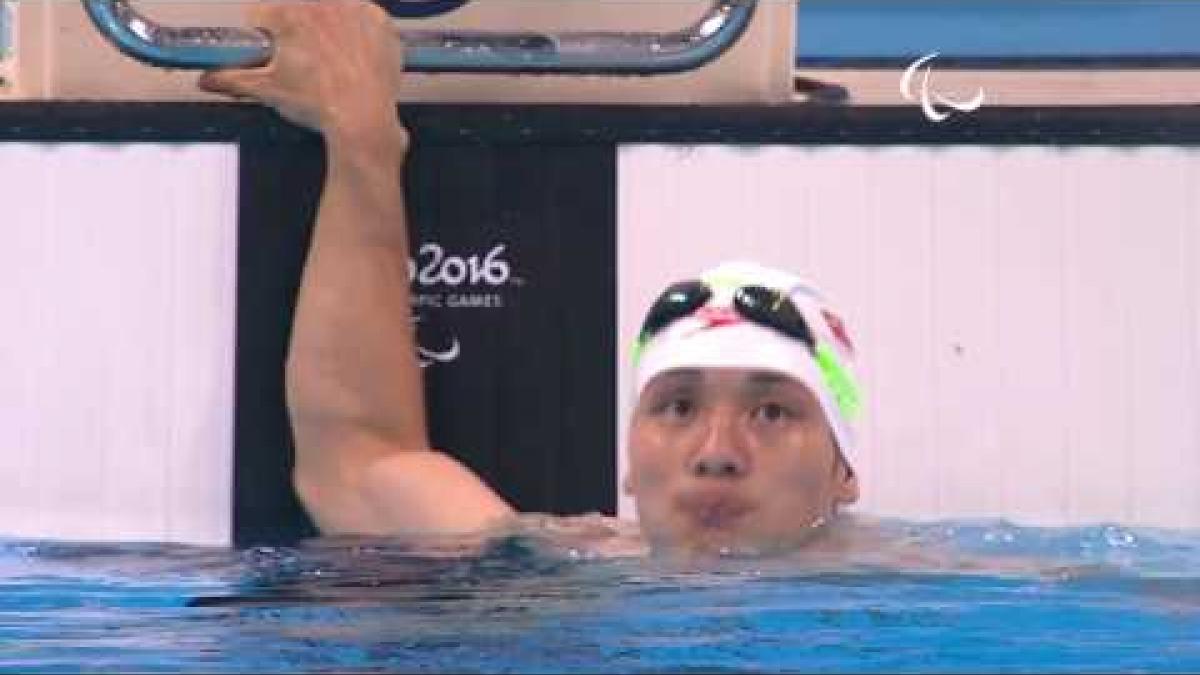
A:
(444, 280)
(433, 266)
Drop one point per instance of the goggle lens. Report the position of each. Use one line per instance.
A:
(771, 308)
(678, 301)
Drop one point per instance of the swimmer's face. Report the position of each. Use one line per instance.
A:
(732, 459)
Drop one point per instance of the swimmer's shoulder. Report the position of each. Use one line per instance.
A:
(886, 544)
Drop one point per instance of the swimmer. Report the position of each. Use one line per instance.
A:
(742, 436)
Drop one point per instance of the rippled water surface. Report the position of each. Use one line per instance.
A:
(1004, 599)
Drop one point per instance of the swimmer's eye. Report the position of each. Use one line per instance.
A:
(678, 408)
(773, 413)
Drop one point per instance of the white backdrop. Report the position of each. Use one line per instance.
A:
(1028, 317)
(117, 297)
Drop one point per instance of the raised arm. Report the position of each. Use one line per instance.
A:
(363, 460)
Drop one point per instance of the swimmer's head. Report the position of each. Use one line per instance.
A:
(742, 436)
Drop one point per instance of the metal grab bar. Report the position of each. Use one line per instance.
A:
(431, 51)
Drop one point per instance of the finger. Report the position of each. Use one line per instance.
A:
(236, 83)
(259, 14)
(278, 18)
(372, 11)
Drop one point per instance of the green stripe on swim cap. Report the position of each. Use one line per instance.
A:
(639, 345)
(840, 384)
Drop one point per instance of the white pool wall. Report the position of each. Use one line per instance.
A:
(1028, 317)
(116, 364)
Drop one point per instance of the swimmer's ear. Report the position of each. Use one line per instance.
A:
(627, 484)
(846, 491)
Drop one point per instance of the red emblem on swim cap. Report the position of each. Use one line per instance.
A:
(839, 330)
(716, 317)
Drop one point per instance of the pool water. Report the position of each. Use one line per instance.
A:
(1103, 598)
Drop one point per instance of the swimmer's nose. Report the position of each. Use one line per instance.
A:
(718, 466)
(720, 456)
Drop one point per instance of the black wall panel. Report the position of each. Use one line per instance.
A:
(514, 262)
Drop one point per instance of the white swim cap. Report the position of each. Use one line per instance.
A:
(717, 335)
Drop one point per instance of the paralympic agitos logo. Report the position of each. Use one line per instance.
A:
(442, 279)
(935, 106)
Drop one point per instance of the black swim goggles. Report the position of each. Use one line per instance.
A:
(764, 306)
(761, 305)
